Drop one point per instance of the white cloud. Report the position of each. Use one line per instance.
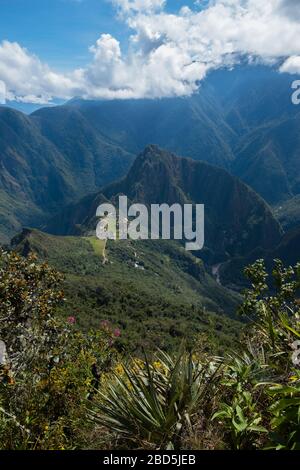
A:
(167, 54)
(27, 79)
(136, 6)
(291, 65)
(2, 92)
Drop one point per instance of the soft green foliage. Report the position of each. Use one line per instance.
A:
(263, 388)
(242, 419)
(275, 312)
(239, 413)
(285, 422)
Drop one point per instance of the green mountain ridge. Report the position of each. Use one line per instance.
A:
(42, 172)
(288, 213)
(268, 160)
(194, 127)
(237, 220)
(288, 251)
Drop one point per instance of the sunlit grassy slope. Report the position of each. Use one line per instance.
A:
(155, 291)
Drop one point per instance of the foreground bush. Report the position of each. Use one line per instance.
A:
(250, 399)
(261, 385)
(62, 389)
(152, 403)
(48, 369)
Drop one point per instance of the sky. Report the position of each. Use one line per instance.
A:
(106, 49)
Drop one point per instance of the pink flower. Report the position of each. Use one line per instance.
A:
(71, 320)
(117, 332)
(104, 324)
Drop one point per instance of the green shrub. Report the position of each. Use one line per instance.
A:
(265, 371)
(50, 369)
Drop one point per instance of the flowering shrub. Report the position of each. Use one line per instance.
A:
(50, 370)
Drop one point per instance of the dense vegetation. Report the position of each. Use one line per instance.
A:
(156, 292)
(158, 176)
(64, 389)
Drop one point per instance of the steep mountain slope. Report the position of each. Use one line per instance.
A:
(236, 219)
(269, 160)
(93, 160)
(288, 213)
(42, 172)
(242, 120)
(289, 249)
(257, 106)
(156, 292)
(252, 96)
(231, 275)
(33, 176)
(193, 127)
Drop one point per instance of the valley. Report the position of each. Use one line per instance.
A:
(58, 164)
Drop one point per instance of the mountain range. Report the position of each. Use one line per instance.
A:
(237, 220)
(241, 120)
(47, 161)
(241, 139)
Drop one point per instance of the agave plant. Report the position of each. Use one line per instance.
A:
(151, 403)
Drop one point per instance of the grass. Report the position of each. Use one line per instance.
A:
(99, 246)
(156, 292)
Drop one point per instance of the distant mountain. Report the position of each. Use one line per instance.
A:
(237, 220)
(268, 159)
(257, 106)
(94, 161)
(252, 96)
(34, 178)
(28, 108)
(241, 120)
(193, 126)
(43, 170)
